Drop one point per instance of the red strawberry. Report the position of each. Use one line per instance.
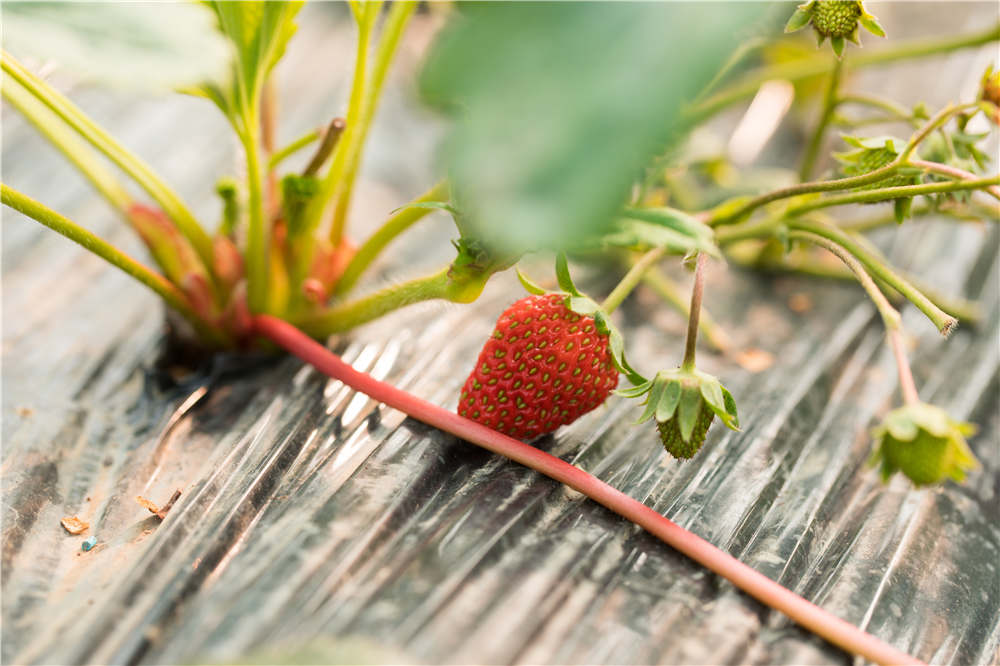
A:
(543, 367)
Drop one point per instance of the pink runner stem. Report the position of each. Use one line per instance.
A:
(812, 617)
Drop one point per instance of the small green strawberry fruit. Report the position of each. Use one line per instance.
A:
(685, 403)
(836, 19)
(874, 153)
(924, 443)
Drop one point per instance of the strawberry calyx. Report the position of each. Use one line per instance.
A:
(684, 404)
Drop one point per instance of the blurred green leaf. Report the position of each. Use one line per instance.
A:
(559, 106)
(151, 47)
(259, 32)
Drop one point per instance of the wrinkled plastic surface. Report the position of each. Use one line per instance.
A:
(315, 526)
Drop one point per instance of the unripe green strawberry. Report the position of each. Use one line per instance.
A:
(924, 443)
(836, 18)
(685, 402)
(543, 367)
(673, 441)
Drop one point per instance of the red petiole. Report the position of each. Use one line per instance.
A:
(812, 617)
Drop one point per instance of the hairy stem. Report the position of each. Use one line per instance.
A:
(631, 279)
(944, 322)
(259, 227)
(810, 616)
(890, 193)
(694, 313)
(954, 172)
(890, 316)
(393, 227)
(68, 143)
(156, 282)
(829, 106)
(128, 162)
(938, 120)
(443, 285)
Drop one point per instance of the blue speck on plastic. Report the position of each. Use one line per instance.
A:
(89, 543)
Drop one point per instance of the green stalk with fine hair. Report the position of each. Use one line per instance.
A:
(393, 227)
(108, 252)
(944, 322)
(127, 161)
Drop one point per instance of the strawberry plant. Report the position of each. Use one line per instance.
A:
(573, 139)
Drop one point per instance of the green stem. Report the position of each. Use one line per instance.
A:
(890, 316)
(364, 14)
(62, 225)
(68, 143)
(953, 172)
(889, 193)
(796, 71)
(939, 119)
(898, 111)
(631, 279)
(671, 293)
(944, 322)
(694, 312)
(829, 106)
(972, 211)
(805, 188)
(128, 162)
(395, 23)
(258, 229)
(285, 152)
(440, 285)
(392, 228)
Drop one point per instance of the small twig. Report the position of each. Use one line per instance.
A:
(330, 139)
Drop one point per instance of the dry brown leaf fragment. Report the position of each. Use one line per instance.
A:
(74, 525)
(755, 360)
(147, 504)
(800, 302)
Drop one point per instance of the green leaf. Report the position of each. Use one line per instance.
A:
(259, 32)
(150, 47)
(641, 236)
(672, 218)
(559, 106)
(799, 20)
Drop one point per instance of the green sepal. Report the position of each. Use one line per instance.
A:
(528, 285)
(583, 305)
(838, 44)
(669, 400)
(653, 399)
(563, 276)
(616, 345)
(871, 24)
(924, 443)
(799, 19)
(688, 409)
(718, 399)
